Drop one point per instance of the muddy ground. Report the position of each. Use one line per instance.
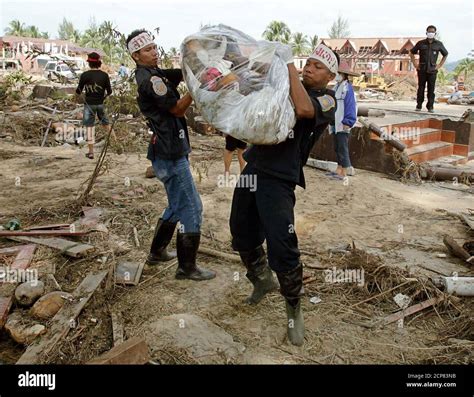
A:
(396, 229)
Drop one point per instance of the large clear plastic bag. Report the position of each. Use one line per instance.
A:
(239, 85)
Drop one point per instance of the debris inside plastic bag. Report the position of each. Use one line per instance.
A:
(239, 85)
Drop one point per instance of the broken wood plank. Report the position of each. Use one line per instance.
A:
(49, 227)
(132, 351)
(117, 327)
(468, 221)
(135, 235)
(412, 310)
(10, 250)
(70, 248)
(128, 273)
(5, 306)
(64, 232)
(45, 137)
(24, 257)
(316, 265)
(220, 255)
(310, 280)
(457, 250)
(91, 220)
(63, 321)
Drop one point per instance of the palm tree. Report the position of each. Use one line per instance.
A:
(106, 32)
(313, 41)
(300, 44)
(172, 52)
(66, 31)
(91, 37)
(339, 28)
(286, 38)
(277, 31)
(465, 66)
(33, 31)
(15, 28)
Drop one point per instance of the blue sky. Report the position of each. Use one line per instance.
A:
(179, 18)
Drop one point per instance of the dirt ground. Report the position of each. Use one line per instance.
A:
(397, 231)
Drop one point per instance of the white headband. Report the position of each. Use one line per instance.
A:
(324, 55)
(140, 41)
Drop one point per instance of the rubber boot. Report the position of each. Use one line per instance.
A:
(291, 287)
(163, 234)
(259, 274)
(187, 245)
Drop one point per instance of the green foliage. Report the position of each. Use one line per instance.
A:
(339, 28)
(300, 44)
(15, 28)
(14, 85)
(464, 67)
(17, 78)
(444, 77)
(66, 31)
(277, 31)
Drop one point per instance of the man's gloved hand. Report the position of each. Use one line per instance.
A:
(285, 52)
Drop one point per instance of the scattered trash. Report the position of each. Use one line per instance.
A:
(461, 286)
(13, 224)
(402, 300)
(315, 299)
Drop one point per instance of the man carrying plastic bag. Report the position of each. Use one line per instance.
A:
(265, 210)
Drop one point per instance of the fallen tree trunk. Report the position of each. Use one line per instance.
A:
(457, 250)
(447, 174)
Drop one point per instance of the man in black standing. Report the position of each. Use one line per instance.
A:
(427, 67)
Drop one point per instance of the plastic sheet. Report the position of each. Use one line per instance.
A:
(239, 85)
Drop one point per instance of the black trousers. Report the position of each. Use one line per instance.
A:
(423, 80)
(265, 211)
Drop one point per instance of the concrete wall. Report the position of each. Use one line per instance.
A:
(464, 136)
(365, 153)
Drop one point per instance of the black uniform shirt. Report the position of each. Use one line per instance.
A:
(286, 159)
(157, 94)
(429, 54)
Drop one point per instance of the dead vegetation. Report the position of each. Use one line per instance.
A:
(343, 328)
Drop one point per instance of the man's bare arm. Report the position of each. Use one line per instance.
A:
(304, 108)
(442, 62)
(182, 105)
(414, 61)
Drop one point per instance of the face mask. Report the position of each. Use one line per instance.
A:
(338, 78)
(430, 35)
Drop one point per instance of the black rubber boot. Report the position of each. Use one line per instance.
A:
(291, 287)
(163, 235)
(187, 245)
(259, 274)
